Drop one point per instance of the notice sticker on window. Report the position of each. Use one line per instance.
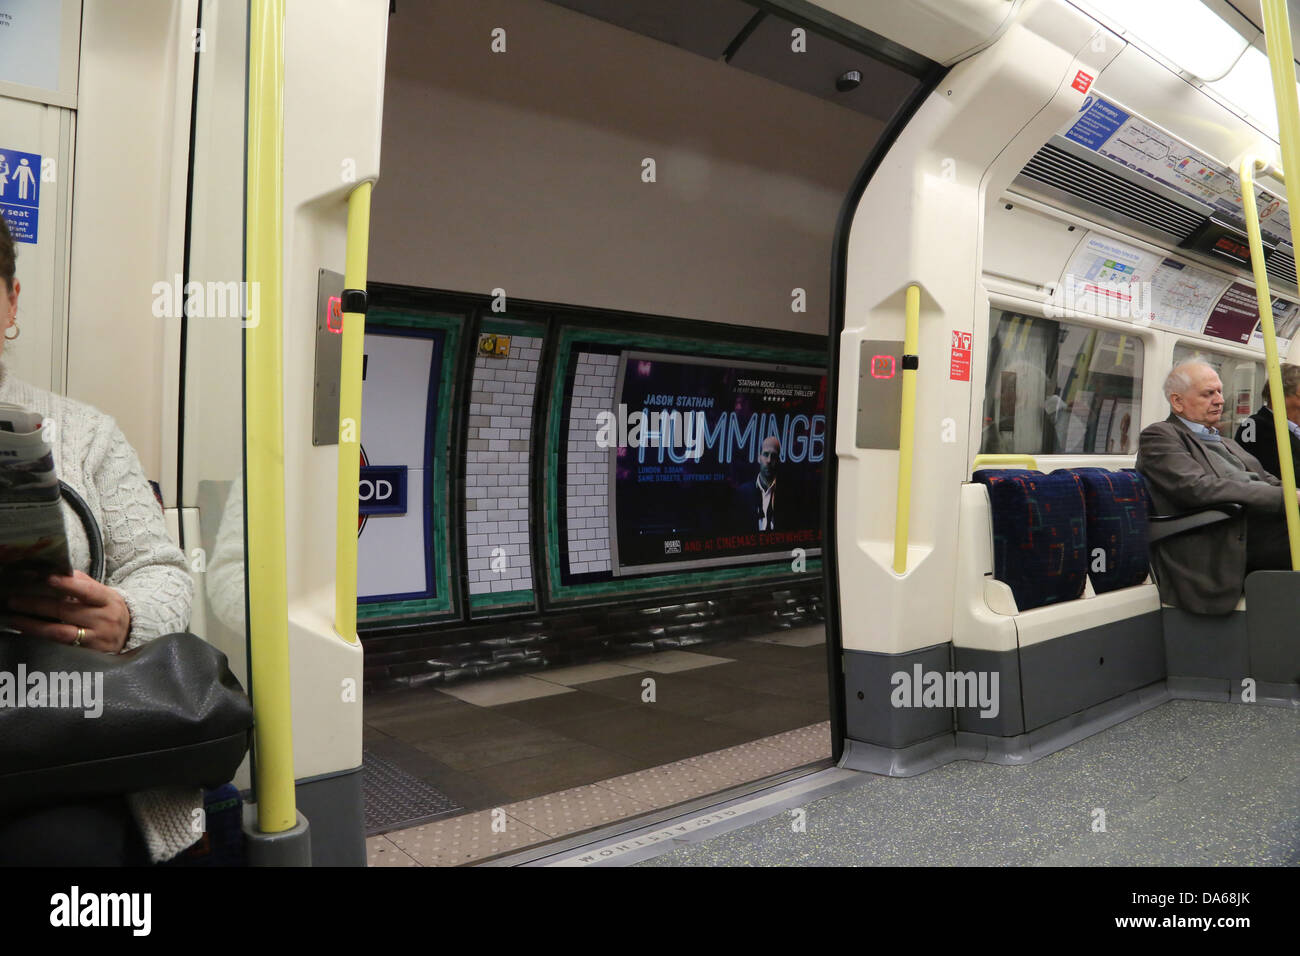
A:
(959, 363)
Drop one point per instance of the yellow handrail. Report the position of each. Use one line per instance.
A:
(1002, 461)
(1277, 34)
(268, 604)
(907, 429)
(1280, 431)
(354, 331)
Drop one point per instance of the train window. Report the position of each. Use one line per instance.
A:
(1243, 382)
(1060, 388)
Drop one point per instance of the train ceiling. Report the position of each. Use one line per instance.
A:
(759, 42)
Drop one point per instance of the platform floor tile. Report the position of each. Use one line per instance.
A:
(381, 851)
(672, 662)
(585, 673)
(504, 690)
(795, 637)
(465, 839)
(575, 810)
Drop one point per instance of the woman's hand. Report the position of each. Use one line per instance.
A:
(78, 601)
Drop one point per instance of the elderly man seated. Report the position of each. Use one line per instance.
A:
(1189, 465)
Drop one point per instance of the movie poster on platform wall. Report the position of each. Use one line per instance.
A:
(714, 462)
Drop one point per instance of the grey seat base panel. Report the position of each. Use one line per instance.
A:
(1053, 694)
(1008, 751)
(997, 693)
(1026, 748)
(1273, 626)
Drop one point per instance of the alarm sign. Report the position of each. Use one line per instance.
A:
(959, 360)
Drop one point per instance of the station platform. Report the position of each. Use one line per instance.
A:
(473, 770)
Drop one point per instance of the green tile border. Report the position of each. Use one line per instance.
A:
(452, 325)
(503, 324)
(650, 583)
(502, 599)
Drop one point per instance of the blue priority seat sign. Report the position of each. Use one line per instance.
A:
(20, 192)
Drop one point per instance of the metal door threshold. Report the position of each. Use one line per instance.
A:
(641, 838)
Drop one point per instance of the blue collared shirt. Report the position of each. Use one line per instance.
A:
(1204, 431)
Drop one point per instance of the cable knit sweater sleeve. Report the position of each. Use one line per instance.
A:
(142, 565)
(140, 562)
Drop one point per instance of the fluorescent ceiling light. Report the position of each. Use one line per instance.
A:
(1249, 86)
(1186, 32)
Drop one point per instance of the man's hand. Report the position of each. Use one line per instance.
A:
(78, 601)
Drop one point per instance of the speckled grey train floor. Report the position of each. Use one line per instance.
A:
(1188, 783)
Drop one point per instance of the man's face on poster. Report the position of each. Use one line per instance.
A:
(768, 458)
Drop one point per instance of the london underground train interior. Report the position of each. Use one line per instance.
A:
(579, 433)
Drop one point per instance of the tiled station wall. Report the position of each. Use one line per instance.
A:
(499, 465)
(587, 477)
(496, 467)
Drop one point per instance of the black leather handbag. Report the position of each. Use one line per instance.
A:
(76, 722)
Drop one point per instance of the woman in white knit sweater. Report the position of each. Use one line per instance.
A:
(147, 593)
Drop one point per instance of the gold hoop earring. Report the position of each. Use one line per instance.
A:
(17, 332)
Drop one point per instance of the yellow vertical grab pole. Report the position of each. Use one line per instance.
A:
(907, 429)
(1280, 431)
(354, 332)
(1281, 59)
(264, 426)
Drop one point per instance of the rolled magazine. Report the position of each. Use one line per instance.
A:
(33, 539)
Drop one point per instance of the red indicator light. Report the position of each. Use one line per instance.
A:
(1232, 247)
(882, 366)
(334, 315)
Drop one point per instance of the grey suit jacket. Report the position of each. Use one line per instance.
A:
(1203, 570)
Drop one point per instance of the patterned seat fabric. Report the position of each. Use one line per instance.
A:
(1117, 509)
(1142, 484)
(1039, 535)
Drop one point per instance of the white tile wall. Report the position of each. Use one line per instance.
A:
(588, 465)
(496, 467)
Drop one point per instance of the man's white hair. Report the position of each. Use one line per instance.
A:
(1179, 379)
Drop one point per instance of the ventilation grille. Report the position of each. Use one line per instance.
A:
(1280, 264)
(1055, 167)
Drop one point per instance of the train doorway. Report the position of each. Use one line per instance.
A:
(588, 211)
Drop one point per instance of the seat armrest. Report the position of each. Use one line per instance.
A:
(1166, 526)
